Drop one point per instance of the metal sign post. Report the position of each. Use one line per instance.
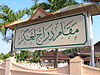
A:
(91, 41)
(56, 59)
(92, 55)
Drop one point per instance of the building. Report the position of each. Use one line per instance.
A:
(49, 57)
(96, 50)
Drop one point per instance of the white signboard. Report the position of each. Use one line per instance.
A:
(67, 31)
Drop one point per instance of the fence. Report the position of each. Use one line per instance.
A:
(76, 67)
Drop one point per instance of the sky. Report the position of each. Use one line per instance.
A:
(22, 4)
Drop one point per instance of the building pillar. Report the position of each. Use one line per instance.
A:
(76, 66)
(8, 65)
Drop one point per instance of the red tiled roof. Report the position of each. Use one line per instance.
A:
(7, 24)
(15, 22)
(28, 59)
(46, 13)
(85, 57)
(51, 55)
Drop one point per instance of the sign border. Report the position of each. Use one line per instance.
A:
(85, 21)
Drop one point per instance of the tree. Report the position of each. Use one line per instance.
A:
(74, 50)
(7, 16)
(69, 51)
(25, 54)
(4, 56)
(55, 5)
(37, 54)
(51, 5)
(1, 56)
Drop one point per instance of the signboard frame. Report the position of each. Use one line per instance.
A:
(58, 46)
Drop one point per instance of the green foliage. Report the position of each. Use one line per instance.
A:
(52, 5)
(7, 16)
(74, 50)
(25, 54)
(17, 55)
(68, 51)
(38, 53)
(58, 4)
(35, 60)
(4, 56)
(1, 56)
(35, 1)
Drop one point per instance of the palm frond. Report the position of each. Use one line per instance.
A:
(7, 16)
(21, 13)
